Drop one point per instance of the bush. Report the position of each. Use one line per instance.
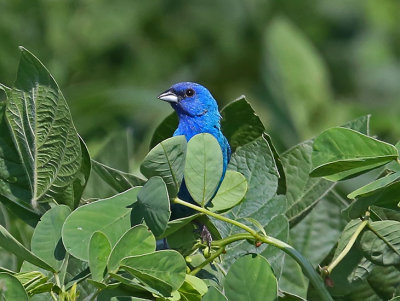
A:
(96, 228)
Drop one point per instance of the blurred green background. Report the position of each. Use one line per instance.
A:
(304, 65)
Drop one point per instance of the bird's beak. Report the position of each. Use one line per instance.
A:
(169, 96)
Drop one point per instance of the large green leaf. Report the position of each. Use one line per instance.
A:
(214, 294)
(239, 123)
(167, 160)
(232, 190)
(46, 240)
(136, 241)
(167, 266)
(111, 216)
(99, 250)
(9, 243)
(11, 288)
(303, 192)
(380, 242)
(251, 278)
(256, 162)
(43, 132)
(340, 153)
(203, 169)
(153, 206)
(374, 186)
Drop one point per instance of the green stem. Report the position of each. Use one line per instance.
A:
(347, 248)
(207, 261)
(217, 216)
(306, 266)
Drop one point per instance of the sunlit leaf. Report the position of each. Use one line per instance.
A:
(136, 241)
(232, 190)
(168, 267)
(167, 160)
(374, 186)
(111, 216)
(251, 278)
(203, 169)
(99, 250)
(340, 153)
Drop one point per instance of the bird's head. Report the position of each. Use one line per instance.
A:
(190, 99)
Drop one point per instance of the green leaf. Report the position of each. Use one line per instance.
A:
(11, 288)
(133, 286)
(380, 242)
(136, 241)
(251, 278)
(387, 198)
(153, 206)
(256, 162)
(197, 283)
(118, 180)
(99, 250)
(165, 129)
(239, 123)
(110, 216)
(177, 224)
(167, 160)
(374, 186)
(9, 243)
(14, 183)
(184, 239)
(232, 190)
(46, 240)
(193, 288)
(41, 124)
(214, 294)
(303, 192)
(167, 266)
(203, 169)
(340, 150)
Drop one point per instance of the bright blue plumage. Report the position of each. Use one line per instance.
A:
(198, 113)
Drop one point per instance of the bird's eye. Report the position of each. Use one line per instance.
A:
(189, 92)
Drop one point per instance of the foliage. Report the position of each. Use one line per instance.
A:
(105, 246)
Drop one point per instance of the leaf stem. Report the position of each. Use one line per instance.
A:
(306, 266)
(347, 248)
(217, 216)
(207, 261)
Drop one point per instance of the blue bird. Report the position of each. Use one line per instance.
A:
(198, 113)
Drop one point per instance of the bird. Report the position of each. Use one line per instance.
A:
(197, 112)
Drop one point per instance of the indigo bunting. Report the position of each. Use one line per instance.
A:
(198, 113)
